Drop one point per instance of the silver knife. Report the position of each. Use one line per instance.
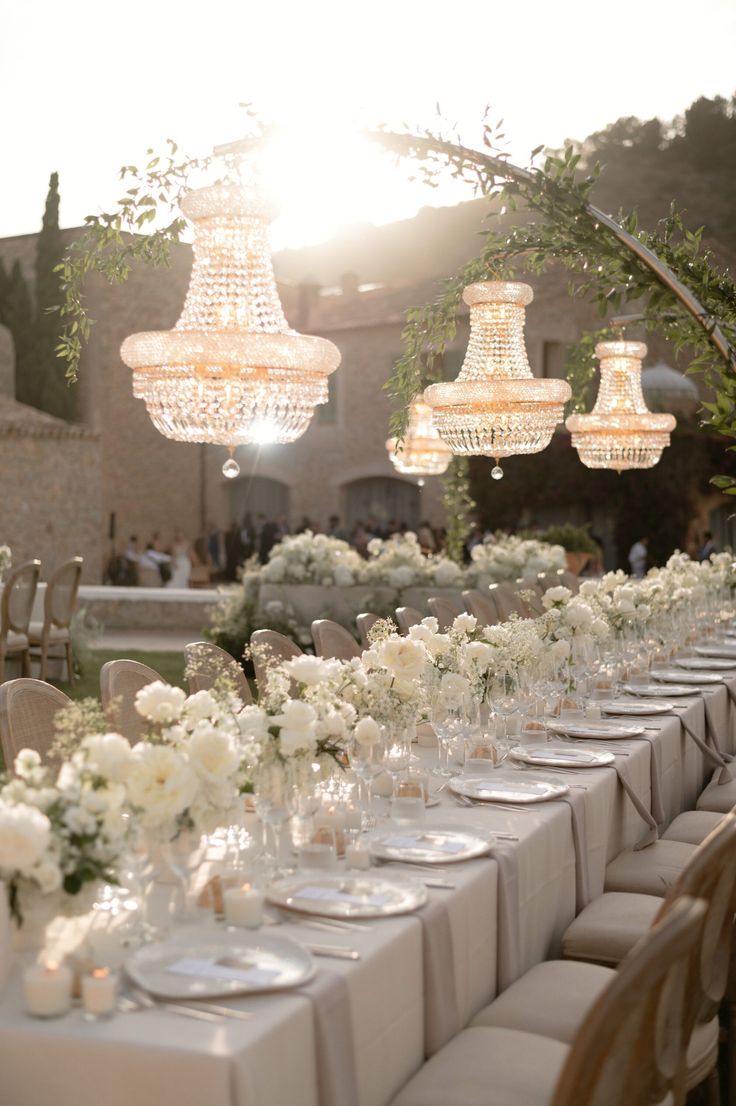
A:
(337, 951)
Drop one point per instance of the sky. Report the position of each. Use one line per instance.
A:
(89, 85)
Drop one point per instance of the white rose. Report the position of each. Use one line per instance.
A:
(599, 628)
(588, 588)
(297, 721)
(213, 753)
(343, 576)
(253, 722)
(464, 623)
(367, 731)
(48, 876)
(578, 615)
(555, 595)
(201, 705)
(402, 657)
(109, 755)
(310, 670)
(479, 653)
(447, 574)
(161, 783)
(27, 763)
(401, 577)
(24, 837)
(159, 702)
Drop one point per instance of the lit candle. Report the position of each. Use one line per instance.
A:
(48, 990)
(357, 857)
(99, 993)
(333, 818)
(243, 906)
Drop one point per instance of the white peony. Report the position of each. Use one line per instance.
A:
(579, 615)
(159, 702)
(161, 783)
(253, 722)
(464, 623)
(402, 657)
(24, 837)
(401, 577)
(367, 731)
(447, 574)
(298, 724)
(479, 653)
(213, 753)
(109, 755)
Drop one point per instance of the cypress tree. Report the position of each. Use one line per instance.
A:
(55, 396)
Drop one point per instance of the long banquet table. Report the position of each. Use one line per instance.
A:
(360, 1029)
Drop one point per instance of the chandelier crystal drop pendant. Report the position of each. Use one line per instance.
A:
(423, 452)
(497, 407)
(231, 372)
(620, 432)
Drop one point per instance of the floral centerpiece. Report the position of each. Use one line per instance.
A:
(312, 559)
(504, 557)
(398, 562)
(61, 835)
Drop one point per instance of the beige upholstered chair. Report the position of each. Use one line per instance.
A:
(507, 601)
(554, 997)
(482, 607)
(120, 682)
(59, 603)
(546, 580)
(627, 1051)
(206, 662)
(333, 642)
(27, 711)
(365, 622)
(445, 611)
(16, 605)
(406, 617)
(269, 648)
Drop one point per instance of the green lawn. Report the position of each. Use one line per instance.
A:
(170, 666)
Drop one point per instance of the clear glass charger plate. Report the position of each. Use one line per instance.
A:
(431, 844)
(605, 730)
(653, 691)
(682, 676)
(639, 707)
(347, 896)
(492, 789)
(715, 664)
(561, 758)
(208, 969)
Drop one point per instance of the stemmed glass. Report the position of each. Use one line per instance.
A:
(275, 802)
(503, 696)
(397, 751)
(367, 760)
(454, 718)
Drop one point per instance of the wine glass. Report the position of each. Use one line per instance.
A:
(455, 718)
(366, 758)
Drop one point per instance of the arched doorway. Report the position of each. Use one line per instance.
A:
(258, 495)
(384, 499)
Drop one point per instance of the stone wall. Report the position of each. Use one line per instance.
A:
(50, 502)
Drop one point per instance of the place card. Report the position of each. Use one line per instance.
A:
(217, 969)
(449, 847)
(329, 894)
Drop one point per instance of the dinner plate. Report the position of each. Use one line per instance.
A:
(561, 758)
(636, 706)
(205, 969)
(716, 650)
(431, 845)
(347, 896)
(607, 729)
(653, 691)
(713, 664)
(682, 676)
(492, 789)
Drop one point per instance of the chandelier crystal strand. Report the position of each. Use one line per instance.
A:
(423, 452)
(620, 432)
(231, 372)
(496, 407)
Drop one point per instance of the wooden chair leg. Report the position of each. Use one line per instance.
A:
(26, 663)
(70, 662)
(44, 657)
(713, 1088)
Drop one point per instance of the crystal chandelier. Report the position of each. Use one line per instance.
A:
(423, 453)
(496, 407)
(231, 372)
(620, 432)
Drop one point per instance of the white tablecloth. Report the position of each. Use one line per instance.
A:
(153, 1058)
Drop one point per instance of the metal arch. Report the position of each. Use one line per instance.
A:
(506, 169)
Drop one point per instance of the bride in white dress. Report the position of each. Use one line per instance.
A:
(181, 563)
